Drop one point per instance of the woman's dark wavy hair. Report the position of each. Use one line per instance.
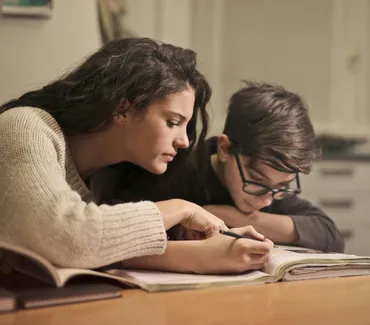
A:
(137, 70)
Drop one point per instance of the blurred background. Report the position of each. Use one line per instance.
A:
(317, 48)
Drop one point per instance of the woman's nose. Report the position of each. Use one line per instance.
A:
(182, 141)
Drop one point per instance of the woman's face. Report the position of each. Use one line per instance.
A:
(151, 139)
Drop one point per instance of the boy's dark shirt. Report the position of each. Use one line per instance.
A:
(202, 186)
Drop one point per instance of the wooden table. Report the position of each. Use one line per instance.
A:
(330, 301)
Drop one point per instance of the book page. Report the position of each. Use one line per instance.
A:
(65, 274)
(281, 260)
(162, 281)
(157, 277)
(28, 262)
(307, 269)
(309, 272)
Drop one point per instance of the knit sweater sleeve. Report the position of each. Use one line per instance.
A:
(39, 209)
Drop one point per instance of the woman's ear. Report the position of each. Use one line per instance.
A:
(119, 117)
(121, 111)
(223, 146)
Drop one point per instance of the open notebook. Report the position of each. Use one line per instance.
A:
(285, 265)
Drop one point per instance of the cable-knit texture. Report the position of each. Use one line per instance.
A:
(45, 206)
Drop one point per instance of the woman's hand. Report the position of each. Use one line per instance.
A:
(223, 254)
(219, 254)
(190, 216)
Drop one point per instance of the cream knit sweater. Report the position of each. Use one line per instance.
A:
(45, 205)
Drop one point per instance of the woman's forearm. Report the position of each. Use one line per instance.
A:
(172, 211)
(180, 256)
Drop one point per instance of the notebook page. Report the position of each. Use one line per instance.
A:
(281, 259)
(154, 281)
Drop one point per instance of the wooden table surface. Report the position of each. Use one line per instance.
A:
(328, 301)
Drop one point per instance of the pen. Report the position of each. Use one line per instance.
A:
(233, 234)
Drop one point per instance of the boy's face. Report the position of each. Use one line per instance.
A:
(258, 173)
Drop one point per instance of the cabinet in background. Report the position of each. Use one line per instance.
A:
(342, 190)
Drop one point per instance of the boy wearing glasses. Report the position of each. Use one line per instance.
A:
(250, 173)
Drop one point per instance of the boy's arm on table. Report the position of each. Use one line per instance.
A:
(278, 228)
(291, 221)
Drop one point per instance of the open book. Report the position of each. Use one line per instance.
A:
(286, 264)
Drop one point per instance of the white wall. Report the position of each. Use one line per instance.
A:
(318, 48)
(141, 17)
(165, 20)
(350, 67)
(207, 39)
(36, 51)
(286, 42)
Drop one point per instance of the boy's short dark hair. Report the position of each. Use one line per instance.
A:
(267, 122)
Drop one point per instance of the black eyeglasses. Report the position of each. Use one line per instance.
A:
(257, 189)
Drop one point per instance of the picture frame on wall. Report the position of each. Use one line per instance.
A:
(27, 8)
